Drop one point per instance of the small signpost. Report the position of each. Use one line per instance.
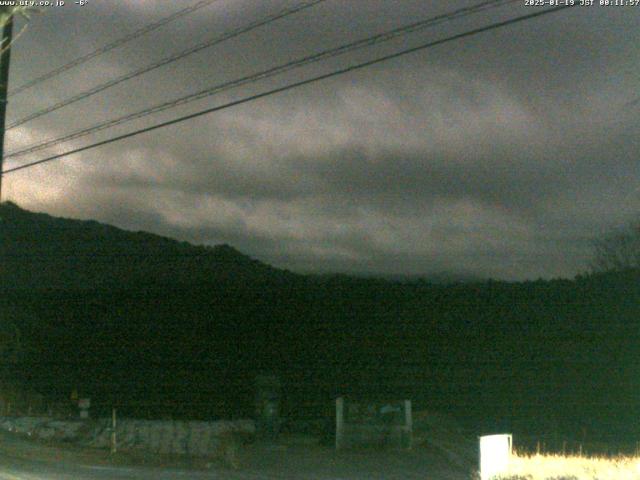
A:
(83, 405)
(268, 397)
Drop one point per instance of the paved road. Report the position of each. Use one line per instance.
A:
(259, 463)
(12, 468)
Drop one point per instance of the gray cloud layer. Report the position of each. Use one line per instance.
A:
(502, 155)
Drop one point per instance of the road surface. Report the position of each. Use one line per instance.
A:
(21, 459)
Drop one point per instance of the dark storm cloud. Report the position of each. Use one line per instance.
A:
(501, 155)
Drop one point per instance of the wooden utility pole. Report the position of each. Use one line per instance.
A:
(5, 47)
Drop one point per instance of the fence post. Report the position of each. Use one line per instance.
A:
(408, 421)
(114, 446)
(339, 423)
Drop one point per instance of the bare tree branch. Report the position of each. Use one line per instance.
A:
(619, 250)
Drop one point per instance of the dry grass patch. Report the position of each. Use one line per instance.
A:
(572, 467)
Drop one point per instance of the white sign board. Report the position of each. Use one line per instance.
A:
(495, 451)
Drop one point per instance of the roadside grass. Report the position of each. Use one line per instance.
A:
(524, 466)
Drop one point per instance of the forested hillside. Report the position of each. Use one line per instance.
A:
(159, 327)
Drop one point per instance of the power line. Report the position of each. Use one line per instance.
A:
(110, 46)
(167, 60)
(325, 54)
(318, 78)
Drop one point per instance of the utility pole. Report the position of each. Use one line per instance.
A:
(5, 47)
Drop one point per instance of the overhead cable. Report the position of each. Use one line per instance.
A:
(165, 61)
(271, 72)
(110, 46)
(290, 86)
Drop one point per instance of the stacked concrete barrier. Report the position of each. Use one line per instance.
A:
(46, 428)
(163, 436)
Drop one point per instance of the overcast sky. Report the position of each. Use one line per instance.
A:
(501, 155)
